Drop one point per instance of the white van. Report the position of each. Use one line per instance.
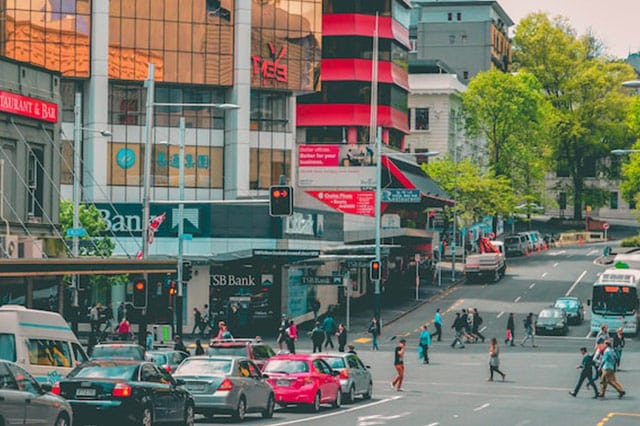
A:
(40, 341)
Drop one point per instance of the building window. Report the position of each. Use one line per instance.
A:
(465, 75)
(422, 119)
(35, 180)
(449, 16)
(269, 111)
(613, 202)
(452, 39)
(459, 16)
(464, 39)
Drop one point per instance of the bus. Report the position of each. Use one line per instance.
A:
(615, 300)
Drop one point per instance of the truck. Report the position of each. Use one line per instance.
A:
(490, 263)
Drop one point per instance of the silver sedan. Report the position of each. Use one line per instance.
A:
(355, 377)
(228, 385)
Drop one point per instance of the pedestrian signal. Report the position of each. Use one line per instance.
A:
(140, 293)
(281, 200)
(375, 269)
(187, 273)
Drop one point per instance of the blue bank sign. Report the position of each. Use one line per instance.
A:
(125, 219)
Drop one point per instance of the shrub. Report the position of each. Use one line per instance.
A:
(631, 241)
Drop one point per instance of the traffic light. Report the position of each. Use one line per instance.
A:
(375, 269)
(281, 200)
(140, 293)
(173, 288)
(187, 273)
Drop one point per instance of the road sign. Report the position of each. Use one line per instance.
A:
(323, 280)
(396, 195)
(186, 237)
(76, 232)
(605, 226)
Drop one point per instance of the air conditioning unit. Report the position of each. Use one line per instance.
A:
(30, 248)
(9, 246)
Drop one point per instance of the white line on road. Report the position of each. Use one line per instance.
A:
(588, 335)
(517, 299)
(500, 314)
(592, 252)
(433, 424)
(482, 407)
(532, 285)
(322, 416)
(483, 329)
(544, 275)
(555, 264)
(576, 283)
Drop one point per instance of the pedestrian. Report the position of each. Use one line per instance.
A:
(205, 321)
(586, 373)
(458, 326)
(425, 342)
(598, 353)
(398, 363)
(178, 344)
(466, 322)
(199, 348)
(342, 337)
(122, 311)
(494, 359)
(94, 318)
(603, 333)
(530, 330)
(106, 316)
(233, 323)
(223, 332)
(618, 345)
(292, 336)
(329, 327)
(352, 349)
(149, 341)
(437, 321)
(317, 337)
(124, 329)
(316, 308)
(477, 322)
(197, 320)
(511, 330)
(608, 367)
(374, 330)
(282, 332)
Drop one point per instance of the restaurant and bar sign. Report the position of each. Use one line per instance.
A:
(28, 107)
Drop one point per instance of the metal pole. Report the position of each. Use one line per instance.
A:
(179, 301)
(346, 281)
(378, 214)
(455, 211)
(417, 278)
(77, 134)
(146, 195)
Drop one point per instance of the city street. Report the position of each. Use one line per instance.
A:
(453, 388)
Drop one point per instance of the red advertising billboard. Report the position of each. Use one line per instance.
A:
(351, 202)
(28, 107)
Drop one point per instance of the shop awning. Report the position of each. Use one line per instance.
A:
(409, 175)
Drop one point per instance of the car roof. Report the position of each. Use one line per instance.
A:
(117, 345)
(226, 357)
(294, 357)
(552, 309)
(568, 298)
(114, 362)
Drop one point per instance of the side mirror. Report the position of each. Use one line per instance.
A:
(180, 382)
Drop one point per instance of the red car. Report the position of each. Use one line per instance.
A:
(303, 379)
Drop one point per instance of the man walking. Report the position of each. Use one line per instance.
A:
(329, 327)
(477, 322)
(459, 326)
(608, 367)
(586, 374)
(530, 330)
(398, 363)
(425, 342)
(437, 321)
(317, 337)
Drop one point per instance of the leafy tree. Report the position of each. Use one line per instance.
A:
(589, 107)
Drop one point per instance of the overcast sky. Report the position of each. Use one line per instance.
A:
(615, 22)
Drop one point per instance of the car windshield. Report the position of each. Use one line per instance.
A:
(203, 366)
(550, 313)
(616, 299)
(98, 371)
(335, 362)
(158, 358)
(228, 350)
(566, 303)
(512, 240)
(118, 351)
(7, 346)
(286, 366)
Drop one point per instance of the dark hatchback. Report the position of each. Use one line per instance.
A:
(134, 392)
(552, 321)
(573, 307)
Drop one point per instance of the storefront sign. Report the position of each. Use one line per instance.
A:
(302, 253)
(343, 165)
(28, 107)
(271, 69)
(304, 224)
(232, 280)
(351, 202)
(322, 280)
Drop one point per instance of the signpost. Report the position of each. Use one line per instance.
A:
(605, 227)
(399, 195)
(76, 232)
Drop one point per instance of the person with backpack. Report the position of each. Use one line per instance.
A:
(330, 328)
(530, 330)
(586, 373)
(477, 322)
(317, 337)
(458, 325)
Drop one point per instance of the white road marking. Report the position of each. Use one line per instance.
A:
(482, 407)
(483, 329)
(523, 423)
(588, 335)
(500, 314)
(517, 299)
(592, 252)
(544, 275)
(555, 253)
(555, 264)
(433, 424)
(576, 283)
(532, 285)
(336, 413)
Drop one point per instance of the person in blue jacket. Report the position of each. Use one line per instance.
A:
(425, 342)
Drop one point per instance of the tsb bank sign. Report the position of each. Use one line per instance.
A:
(231, 280)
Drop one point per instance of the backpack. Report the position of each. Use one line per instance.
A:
(479, 320)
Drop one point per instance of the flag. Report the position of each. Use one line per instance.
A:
(154, 225)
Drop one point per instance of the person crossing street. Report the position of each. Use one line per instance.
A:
(586, 373)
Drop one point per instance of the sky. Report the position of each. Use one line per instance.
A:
(614, 22)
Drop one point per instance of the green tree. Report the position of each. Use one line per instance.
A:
(589, 107)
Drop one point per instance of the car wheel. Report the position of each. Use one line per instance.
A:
(351, 396)
(369, 392)
(241, 411)
(267, 413)
(62, 420)
(338, 402)
(189, 416)
(315, 405)
(146, 417)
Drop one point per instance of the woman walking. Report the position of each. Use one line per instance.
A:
(494, 359)
(374, 330)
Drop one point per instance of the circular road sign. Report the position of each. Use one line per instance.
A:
(605, 226)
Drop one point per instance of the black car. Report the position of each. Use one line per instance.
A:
(552, 321)
(573, 307)
(130, 351)
(133, 392)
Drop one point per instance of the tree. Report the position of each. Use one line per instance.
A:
(589, 107)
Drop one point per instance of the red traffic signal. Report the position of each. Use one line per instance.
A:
(140, 293)
(281, 200)
(375, 269)
(173, 288)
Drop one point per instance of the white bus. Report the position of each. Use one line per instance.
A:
(615, 301)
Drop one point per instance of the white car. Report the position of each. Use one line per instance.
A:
(533, 208)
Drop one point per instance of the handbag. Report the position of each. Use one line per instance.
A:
(494, 361)
(508, 337)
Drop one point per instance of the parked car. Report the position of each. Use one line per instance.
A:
(552, 321)
(254, 349)
(355, 377)
(23, 401)
(226, 385)
(125, 391)
(517, 244)
(532, 208)
(169, 360)
(536, 243)
(573, 307)
(303, 379)
(118, 351)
